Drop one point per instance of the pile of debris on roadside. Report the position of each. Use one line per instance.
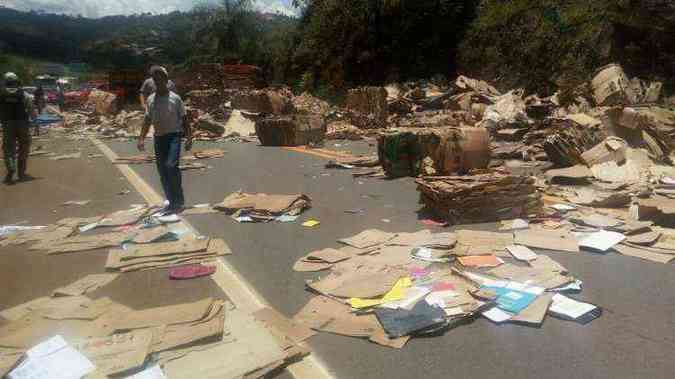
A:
(77, 331)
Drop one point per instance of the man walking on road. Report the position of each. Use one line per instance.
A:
(149, 87)
(166, 112)
(16, 112)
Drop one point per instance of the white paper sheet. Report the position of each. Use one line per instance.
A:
(563, 207)
(574, 286)
(521, 253)
(497, 315)
(53, 359)
(602, 240)
(440, 298)
(154, 372)
(569, 307)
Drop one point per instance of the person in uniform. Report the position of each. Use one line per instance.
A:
(16, 113)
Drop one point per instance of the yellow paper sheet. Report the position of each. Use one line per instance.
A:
(397, 292)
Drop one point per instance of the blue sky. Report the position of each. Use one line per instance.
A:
(100, 8)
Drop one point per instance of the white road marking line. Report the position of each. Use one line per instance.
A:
(237, 288)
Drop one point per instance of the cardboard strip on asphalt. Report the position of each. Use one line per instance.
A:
(240, 292)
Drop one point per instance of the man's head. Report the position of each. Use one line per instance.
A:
(161, 78)
(12, 80)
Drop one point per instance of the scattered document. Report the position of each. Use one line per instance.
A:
(601, 241)
(574, 310)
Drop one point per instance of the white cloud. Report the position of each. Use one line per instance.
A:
(101, 8)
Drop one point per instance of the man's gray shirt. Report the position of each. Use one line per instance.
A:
(149, 87)
(165, 113)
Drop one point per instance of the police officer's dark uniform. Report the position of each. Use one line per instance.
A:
(16, 111)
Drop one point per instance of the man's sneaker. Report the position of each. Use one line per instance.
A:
(163, 211)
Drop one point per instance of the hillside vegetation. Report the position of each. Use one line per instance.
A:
(538, 44)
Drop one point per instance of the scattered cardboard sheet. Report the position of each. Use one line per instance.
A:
(410, 239)
(264, 205)
(169, 315)
(89, 310)
(648, 238)
(117, 353)
(599, 221)
(152, 234)
(87, 284)
(303, 266)
(84, 243)
(643, 254)
(522, 253)
(273, 319)
(22, 310)
(165, 248)
(368, 238)
(327, 315)
(535, 313)
(544, 239)
(8, 359)
(477, 242)
(536, 276)
(480, 261)
(253, 348)
(367, 285)
(176, 336)
(380, 337)
(544, 262)
(327, 256)
(515, 224)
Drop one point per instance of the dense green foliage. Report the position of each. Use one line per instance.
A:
(334, 44)
(542, 44)
(373, 41)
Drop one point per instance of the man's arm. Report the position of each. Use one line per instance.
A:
(144, 133)
(142, 100)
(147, 120)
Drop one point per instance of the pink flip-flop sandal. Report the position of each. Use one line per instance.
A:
(191, 271)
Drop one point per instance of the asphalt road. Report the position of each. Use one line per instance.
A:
(26, 275)
(634, 338)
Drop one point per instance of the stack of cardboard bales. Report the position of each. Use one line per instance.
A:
(291, 130)
(481, 196)
(433, 151)
(367, 107)
(263, 102)
(102, 103)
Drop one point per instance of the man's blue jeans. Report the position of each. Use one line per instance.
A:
(167, 156)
